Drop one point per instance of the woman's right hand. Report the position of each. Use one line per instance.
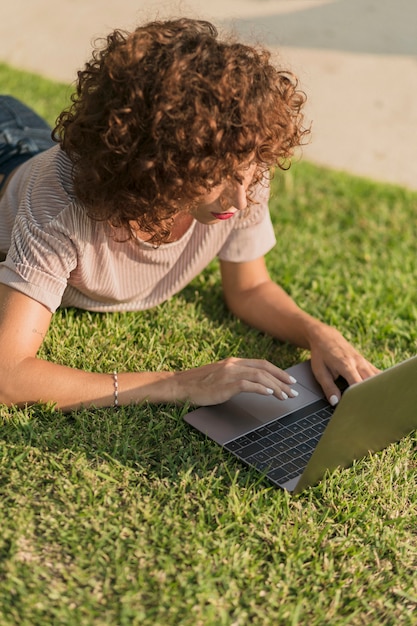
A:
(217, 382)
(25, 379)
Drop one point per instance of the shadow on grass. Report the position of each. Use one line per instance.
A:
(152, 443)
(153, 440)
(247, 342)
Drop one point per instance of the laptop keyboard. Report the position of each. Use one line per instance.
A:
(282, 448)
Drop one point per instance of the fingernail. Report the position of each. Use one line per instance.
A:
(333, 400)
(294, 393)
(269, 390)
(292, 380)
(284, 395)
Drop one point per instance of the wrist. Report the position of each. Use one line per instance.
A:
(137, 387)
(323, 336)
(180, 386)
(314, 330)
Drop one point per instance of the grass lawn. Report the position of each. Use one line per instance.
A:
(129, 517)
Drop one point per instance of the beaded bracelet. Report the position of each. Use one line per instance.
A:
(116, 389)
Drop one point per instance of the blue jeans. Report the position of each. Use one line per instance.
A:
(22, 135)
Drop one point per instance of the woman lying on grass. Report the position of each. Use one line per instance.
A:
(160, 165)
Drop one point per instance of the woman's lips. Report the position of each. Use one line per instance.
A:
(223, 216)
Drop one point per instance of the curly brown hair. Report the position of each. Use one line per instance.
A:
(169, 111)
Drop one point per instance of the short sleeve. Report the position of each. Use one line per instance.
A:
(40, 259)
(253, 234)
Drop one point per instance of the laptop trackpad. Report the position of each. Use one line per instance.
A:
(222, 422)
(267, 408)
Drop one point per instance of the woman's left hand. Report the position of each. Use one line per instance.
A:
(333, 356)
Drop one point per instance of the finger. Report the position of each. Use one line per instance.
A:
(267, 366)
(217, 382)
(356, 372)
(326, 380)
(249, 386)
(274, 386)
(283, 392)
(256, 380)
(367, 370)
(224, 393)
(352, 373)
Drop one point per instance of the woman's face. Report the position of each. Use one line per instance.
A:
(224, 200)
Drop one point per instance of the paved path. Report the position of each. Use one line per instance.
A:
(357, 60)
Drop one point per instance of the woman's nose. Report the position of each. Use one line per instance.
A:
(235, 196)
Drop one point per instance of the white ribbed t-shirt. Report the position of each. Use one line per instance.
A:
(58, 256)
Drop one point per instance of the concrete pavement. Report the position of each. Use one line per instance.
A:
(356, 59)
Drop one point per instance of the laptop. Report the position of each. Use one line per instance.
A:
(295, 442)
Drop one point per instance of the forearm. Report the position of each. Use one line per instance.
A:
(25, 379)
(270, 309)
(254, 298)
(34, 380)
